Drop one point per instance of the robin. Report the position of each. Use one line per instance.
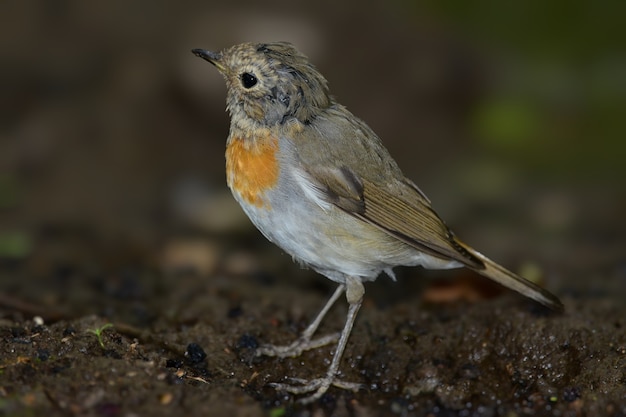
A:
(319, 183)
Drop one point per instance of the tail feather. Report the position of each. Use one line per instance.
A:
(513, 281)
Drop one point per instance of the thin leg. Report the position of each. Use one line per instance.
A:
(354, 293)
(304, 342)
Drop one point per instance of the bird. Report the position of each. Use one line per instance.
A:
(319, 183)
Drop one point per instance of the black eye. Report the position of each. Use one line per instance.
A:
(248, 80)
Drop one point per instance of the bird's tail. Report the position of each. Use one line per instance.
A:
(513, 281)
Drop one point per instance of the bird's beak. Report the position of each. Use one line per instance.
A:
(214, 58)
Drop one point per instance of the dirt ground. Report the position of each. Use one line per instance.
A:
(132, 285)
(183, 344)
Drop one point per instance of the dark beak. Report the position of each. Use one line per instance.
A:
(214, 58)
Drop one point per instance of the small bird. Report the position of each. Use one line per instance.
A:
(319, 183)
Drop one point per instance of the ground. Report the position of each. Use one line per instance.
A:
(77, 340)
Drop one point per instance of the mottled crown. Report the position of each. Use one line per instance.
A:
(271, 82)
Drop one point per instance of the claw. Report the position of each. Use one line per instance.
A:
(319, 386)
(297, 347)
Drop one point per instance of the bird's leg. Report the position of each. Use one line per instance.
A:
(354, 294)
(304, 342)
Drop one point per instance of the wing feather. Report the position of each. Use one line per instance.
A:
(403, 212)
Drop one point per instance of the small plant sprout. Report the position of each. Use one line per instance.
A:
(99, 331)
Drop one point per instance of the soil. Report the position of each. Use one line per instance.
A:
(132, 285)
(184, 344)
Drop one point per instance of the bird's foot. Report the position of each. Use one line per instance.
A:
(297, 347)
(318, 386)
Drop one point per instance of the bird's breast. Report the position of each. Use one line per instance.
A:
(252, 167)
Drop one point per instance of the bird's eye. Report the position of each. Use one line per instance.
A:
(248, 80)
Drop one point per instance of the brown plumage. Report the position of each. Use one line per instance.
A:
(319, 183)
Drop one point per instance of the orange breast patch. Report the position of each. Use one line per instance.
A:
(251, 167)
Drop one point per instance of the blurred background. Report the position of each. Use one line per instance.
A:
(510, 116)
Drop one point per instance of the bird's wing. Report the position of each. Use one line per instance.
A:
(401, 210)
(404, 212)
